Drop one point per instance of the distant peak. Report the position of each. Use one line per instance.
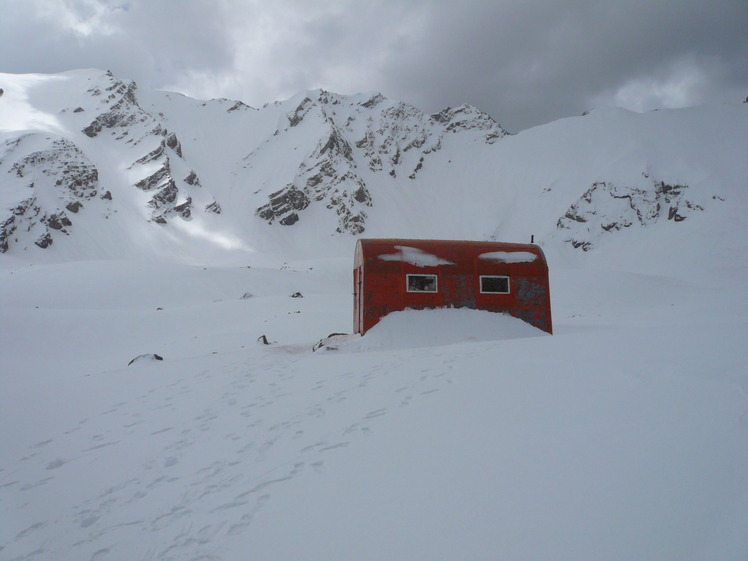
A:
(373, 101)
(466, 117)
(461, 111)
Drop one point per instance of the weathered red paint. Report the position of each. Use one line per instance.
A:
(381, 267)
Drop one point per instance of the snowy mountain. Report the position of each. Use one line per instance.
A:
(170, 270)
(86, 154)
(161, 158)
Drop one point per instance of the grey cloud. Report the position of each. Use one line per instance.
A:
(147, 41)
(530, 64)
(525, 63)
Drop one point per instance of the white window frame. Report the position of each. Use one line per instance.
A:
(407, 283)
(508, 284)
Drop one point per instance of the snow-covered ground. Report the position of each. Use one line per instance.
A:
(439, 435)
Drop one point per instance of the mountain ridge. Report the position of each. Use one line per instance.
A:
(308, 174)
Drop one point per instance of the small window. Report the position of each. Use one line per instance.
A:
(421, 283)
(494, 285)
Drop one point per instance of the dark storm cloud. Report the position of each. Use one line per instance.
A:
(524, 62)
(532, 62)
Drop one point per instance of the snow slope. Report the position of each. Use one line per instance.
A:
(439, 435)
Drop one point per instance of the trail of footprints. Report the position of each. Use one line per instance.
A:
(269, 443)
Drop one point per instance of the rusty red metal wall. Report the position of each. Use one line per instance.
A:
(382, 265)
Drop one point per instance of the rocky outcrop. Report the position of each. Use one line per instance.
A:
(328, 175)
(467, 117)
(284, 206)
(166, 194)
(336, 151)
(53, 181)
(122, 111)
(127, 121)
(378, 135)
(386, 137)
(606, 207)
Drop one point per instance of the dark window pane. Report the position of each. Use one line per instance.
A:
(421, 283)
(494, 285)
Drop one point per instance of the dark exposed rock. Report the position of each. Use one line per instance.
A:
(62, 171)
(374, 101)
(153, 155)
(418, 168)
(238, 105)
(173, 143)
(362, 196)
(145, 357)
(584, 246)
(467, 117)
(283, 206)
(65, 164)
(109, 120)
(26, 210)
(155, 179)
(166, 195)
(606, 208)
(192, 179)
(289, 219)
(44, 241)
(6, 231)
(295, 117)
(352, 224)
(572, 214)
(337, 143)
(396, 157)
(121, 107)
(58, 221)
(184, 210)
(170, 140)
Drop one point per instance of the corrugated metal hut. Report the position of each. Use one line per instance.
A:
(394, 274)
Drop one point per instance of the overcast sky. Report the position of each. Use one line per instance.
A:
(525, 62)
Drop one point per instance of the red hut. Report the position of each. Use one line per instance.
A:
(392, 274)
